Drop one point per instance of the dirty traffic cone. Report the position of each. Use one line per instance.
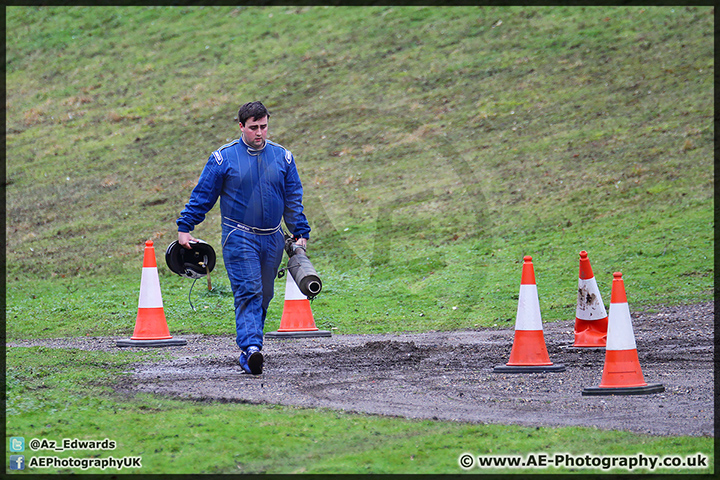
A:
(151, 328)
(297, 318)
(590, 316)
(621, 374)
(528, 353)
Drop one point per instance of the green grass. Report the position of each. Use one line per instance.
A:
(63, 393)
(437, 147)
(426, 177)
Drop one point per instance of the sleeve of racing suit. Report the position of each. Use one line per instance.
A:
(293, 214)
(202, 198)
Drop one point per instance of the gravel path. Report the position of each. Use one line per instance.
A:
(449, 375)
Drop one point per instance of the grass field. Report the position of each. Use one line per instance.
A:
(437, 147)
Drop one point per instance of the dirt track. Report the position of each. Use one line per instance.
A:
(449, 375)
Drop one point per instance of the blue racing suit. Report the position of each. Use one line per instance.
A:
(257, 189)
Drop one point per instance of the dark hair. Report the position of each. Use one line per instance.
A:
(250, 110)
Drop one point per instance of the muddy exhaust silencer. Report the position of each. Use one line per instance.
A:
(302, 270)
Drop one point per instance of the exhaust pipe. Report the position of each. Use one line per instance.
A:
(302, 270)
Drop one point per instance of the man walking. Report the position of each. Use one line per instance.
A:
(258, 185)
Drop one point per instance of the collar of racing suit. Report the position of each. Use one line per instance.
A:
(252, 151)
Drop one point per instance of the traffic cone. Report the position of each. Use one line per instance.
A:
(528, 353)
(151, 328)
(590, 316)
(297, 318)
(622, 374)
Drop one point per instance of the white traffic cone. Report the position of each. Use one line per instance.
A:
(151, 328)
(529, 353)
(622, 374)
(591, 318)
(297, 319)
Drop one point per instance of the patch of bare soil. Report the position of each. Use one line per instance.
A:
(449, 375)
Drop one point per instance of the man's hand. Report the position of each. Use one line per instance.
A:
(184, 239)
(302, 242)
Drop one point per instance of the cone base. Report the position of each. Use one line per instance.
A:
(644, 390)
(580, 347)
(559, 367)
(589, 345)
(529, 349)
(151, 324)
(590, 341)
(591, 333)
(168, 342)
(299, 334)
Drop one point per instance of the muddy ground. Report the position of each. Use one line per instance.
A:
(449, 375)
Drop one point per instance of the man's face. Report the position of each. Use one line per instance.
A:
(255, 131)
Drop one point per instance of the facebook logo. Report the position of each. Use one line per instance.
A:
(17, 462)
(17, 444)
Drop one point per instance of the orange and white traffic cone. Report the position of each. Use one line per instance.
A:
(622, 374)
(297, 319)
(151, 328)
(529, 353)
(591, 319)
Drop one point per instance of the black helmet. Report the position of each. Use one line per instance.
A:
(193, 263)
